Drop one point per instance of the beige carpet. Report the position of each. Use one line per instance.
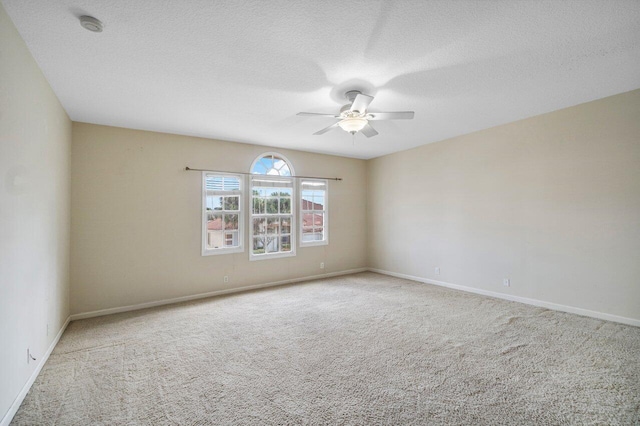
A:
(361, 349)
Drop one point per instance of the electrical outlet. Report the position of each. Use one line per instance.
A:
(321, 265)
(226, 279)
(437, 270)
(506, 282)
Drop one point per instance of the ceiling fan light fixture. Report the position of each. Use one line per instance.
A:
(353, 125)
(354, 117)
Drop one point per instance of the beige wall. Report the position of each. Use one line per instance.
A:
(136, 219)
(552, 202)
(35, 149)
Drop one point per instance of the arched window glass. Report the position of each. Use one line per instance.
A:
(272, 207)
(271, 164)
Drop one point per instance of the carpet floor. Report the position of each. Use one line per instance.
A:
(360, 349)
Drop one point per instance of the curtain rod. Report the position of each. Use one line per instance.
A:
(189, 169)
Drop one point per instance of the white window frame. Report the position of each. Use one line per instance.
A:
(206, 251)
(325, 211)
(293, 233)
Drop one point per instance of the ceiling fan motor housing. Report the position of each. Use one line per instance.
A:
(351, 95)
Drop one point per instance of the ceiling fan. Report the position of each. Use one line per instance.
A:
(354, 117)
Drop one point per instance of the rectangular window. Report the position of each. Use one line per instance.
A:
(272, 217)
(313, 212)
(222, 213)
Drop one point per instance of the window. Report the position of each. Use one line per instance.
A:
(272, 208)
(313, 212)
(222, 222)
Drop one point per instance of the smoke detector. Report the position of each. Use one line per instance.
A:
(90, 23)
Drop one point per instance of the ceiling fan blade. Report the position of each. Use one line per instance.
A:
(368, 131)
(326, 129)
(399, 115)
(317, 114)
(361, 103)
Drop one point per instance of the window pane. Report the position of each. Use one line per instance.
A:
(280, 165)
(258, 206)
(259, 225)
(214, 239)
(273, 225)
(314, 235)
(231, 222)
(285, 205)
(214, 183)
(308, 237)
(258, 246)
(272, 205)
(267, 163)
(259, 168)
(214, 202)
(214, 230)
(285, 243)
(214, 220)
(307, 230)
(231, 203)
(286, 225)
(272, 244)
(231, 239)
(318, 219)
(318, 202)
(231, 183)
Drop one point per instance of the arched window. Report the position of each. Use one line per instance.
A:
(272, 207)
(271, 164)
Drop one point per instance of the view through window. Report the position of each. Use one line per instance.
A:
(222, 220)
(272, 208)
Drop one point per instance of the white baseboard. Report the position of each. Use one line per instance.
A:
(25, 389)
(145, 305)
(512, 298)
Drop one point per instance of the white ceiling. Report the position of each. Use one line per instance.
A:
(241, 70)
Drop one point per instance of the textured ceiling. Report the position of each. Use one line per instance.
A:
(241, 70)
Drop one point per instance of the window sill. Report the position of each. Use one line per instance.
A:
(314, 243)
(215, 252)
(253, 257)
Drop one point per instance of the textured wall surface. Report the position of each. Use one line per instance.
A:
(35, 154)
(136, 218)
(551, 202)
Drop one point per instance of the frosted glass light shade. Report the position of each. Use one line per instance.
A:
(352, 125)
